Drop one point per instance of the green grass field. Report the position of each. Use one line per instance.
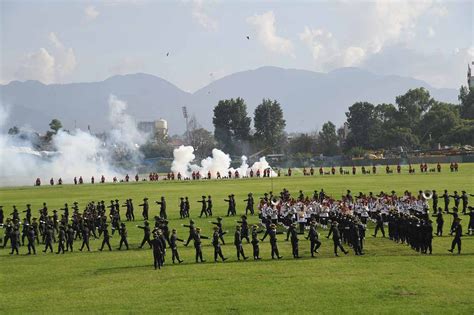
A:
(390, 278)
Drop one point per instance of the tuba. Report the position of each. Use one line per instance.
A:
(428, 194)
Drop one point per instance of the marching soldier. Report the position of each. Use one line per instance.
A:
(217, 245)
(313, 237)
(123, 236)
(146, 234)
(255, 242)
(445, 197)
(162, 204)
(221, 232)
(294, 240)
(15, 239)
(457, 236)
(192, 231)
(48, 240)
(439, 222)
(85, 238)
(197, 244)
(336, 237)
(145, 209)
(238, 243)
(379, 225)
(61, 239)
(244, 228)
(174, 247)
(157, 251)
(435, 201)
(273, 241)
(203, 206)
(71, 234)
(209, 205)
(106, 239)
(31, 240)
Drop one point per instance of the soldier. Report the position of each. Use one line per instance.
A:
(182, 208)
(439, 222)
(238, 243)
(145, 209)
(336, 237)
(217, 245)
(123, 236)
(230, 211)
(146, 234)
(15, 239)
(445, 197)
(221, 232)
(197, 244)
(470, 227)
(255, 241)
(379, 224)
(457, 236)
(24, 231)
(209, 205)
(250, 204)
(427, 237)
(61, 239)
(187, 206)
(85, 238)
(71, 234)
(273, 241)
(465, 201)
(106, 240)
(157, 251)
(294, 240)
(174, 247)
(162, 204)
(354, 236)
(28, 213)
(244, 228)
(48, 240)
(31, 240)
(456, 198)
(314, 238)
(192, 231)
(203, 206)
(435, 201)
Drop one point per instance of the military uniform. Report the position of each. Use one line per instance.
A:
(238, 243)
(146, 234)
(313, 237)
(174, 247)
(336, 237)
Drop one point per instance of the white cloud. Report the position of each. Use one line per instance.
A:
(266, 33)
(47, 66)
(200, 16)
(91, 13)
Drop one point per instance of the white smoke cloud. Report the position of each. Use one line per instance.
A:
(266, 33)
(218, 162)
(76, 153)
(202, 17)
(48, 65)
(91, 13)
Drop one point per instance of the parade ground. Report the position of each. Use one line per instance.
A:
(390, 278)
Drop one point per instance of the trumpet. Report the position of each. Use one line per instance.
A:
(427, 194)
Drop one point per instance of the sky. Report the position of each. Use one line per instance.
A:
(191, 43)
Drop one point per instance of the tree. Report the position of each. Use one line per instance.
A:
(411, 106)
(231, 124)
(361, 121)
(440, 120)
(13, 131)
(202, 141)
(55, 125)
(466, 97)
(302, 144)
(269, 124)
(328, 139)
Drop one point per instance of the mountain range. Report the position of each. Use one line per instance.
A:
(308, 98)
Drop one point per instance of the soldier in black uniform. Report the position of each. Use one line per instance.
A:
(85, 238)
(48, 240)
(106, 235)
(24, 231)
(8, 230)
(203, 206)
(244, 228)
(273, 241)
(457, 236)
(182, 208)
(456, 198)
(439, 222)
(294, 240)
(61, 239)
(192, 231)
(162, 204)
(31, 240)
(336, 237)
(379, 225)
(15, 239)
(354, 236)
(146, 234)
(28, 213)
(174, 247)
(217, 245)
(230, 210)
(157, 251)
(197, 244)
(465, 201)
(221, 232)
(209, 205)
(435, 201)
(250, 205)
(71, 234)
(446, 200)
(123, 236)
(255, 241)
(314, 238)
(145, 209)
(238, 243)
(470, 227)
(187, 207)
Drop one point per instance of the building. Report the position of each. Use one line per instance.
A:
(470, 77)
(156, 127)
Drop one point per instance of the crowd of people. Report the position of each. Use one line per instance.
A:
(269, 172)
(406, 216)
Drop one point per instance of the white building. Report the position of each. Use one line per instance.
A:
(156, 127)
